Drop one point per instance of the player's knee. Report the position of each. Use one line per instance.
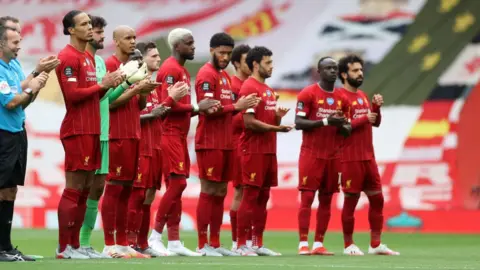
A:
(8, 194)
(306, 198)
(221, 190)
(348, 194)
(376, 200)
(149, 196)
(237, 196)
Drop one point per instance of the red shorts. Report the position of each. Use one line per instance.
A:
(358, 176)
(124, 154)
(260, 170)
(156, 169)
(216, 165)
(82, 153)
(144, 172)
(237, 169)
(175, 157)
(319, 174)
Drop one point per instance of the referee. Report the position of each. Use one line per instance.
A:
(13, 150)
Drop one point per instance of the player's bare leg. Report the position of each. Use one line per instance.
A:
(348, 223)
(304, 213)
(323, 218)
(375, 218)
(71, 212)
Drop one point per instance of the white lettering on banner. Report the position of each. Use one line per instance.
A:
(46, 157)
(415, 196)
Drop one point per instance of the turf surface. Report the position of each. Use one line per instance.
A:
(418, 251)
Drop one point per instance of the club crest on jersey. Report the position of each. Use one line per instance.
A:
(269, 93)
(330, 101)
(300, 105)
(88, 61)
(360, 101)
(224, 80)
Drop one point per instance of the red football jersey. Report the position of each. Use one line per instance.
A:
(214, 131)
(124, 120)
(78, 82)
(359, 145)
(153, 99)
(314, 104)
(177, 121)
(237, 124)
(265, 111)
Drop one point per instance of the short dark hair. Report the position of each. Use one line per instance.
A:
(343, 64)
(98, 22)
(144, 47)
(238, 51)
(68, 20)
(256, 54)
(5, 19)
(221, 39)
(3, 33)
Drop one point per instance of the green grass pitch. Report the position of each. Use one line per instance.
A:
(418, 251)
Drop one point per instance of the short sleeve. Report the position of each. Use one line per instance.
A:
(304, 103)
(246, 90)
(6, 93)
(205, 85)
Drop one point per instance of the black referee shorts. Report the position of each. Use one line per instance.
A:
(13, 158)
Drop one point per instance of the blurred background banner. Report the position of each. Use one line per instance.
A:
(423, 56)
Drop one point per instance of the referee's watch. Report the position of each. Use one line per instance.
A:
(28, 91)
(35, 73)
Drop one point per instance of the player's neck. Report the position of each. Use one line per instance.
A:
(5, 59)
(259, 78)
(123, 57)
(242, 76)
(91, 49)
(179, 59)
(78, 44)
(350, 88)
(327, 86)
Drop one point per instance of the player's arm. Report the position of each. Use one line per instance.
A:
(68, 79)
(142, 101)
(377, 102)
(124, 97)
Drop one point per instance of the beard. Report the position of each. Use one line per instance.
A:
(263, 73)
(96, 45)
(354, 82)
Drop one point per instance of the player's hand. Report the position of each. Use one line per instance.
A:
(207, 103)
(141, 74)
(345, 130)
(38, 82)
(372, 117)
(281, 111)
(160, 110)
(336, 120)
(277, 96)
(178, 90)
(146, 86)
(112, 79)
(212, 110)
(246, 102)
(377, 100)
(283, 128)
(129, 68)
(47, 64)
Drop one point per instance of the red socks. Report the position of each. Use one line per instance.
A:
(81, 208)
(244, 215)
(135, 215)
(348, 218)
(260, 217)
(323, 216)
(216, 220)
(233, 223)
(109, 212)
(174, 192)
(375, 218)
(204, 214)
(121, 221)
(173, 222)
(67, 216)
(142, 237)
(304, 213)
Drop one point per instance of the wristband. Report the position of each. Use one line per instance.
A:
(35, 73)
(28, 91)
(195, 108)
(325, 121)
(129, 83)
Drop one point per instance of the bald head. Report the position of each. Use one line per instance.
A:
(125, 39)
(328, 68)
